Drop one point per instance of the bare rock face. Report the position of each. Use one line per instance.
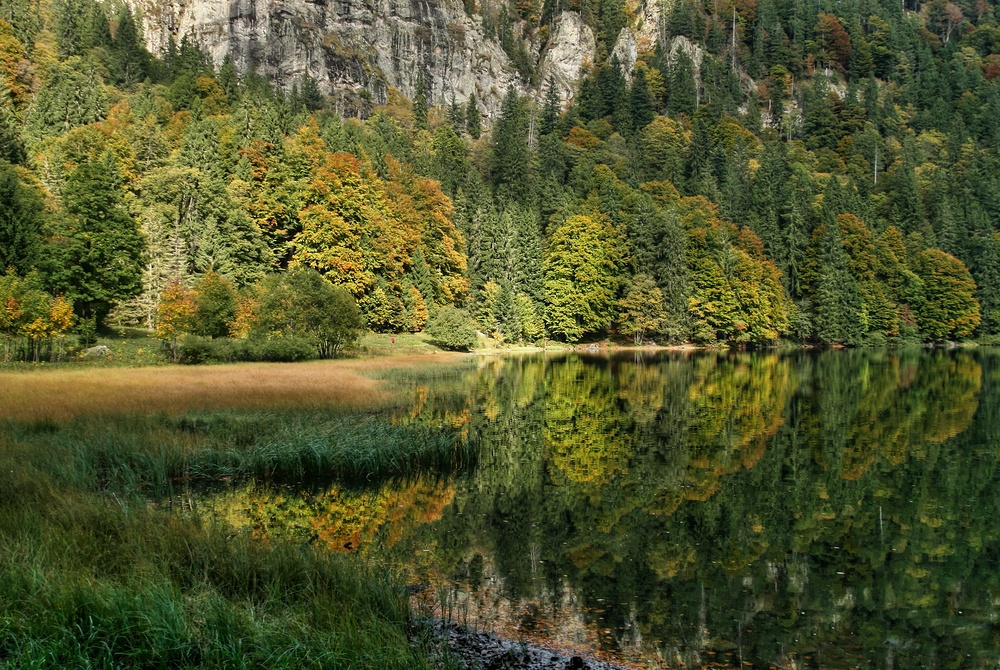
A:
(650, 28)
(626, 51)
(694, 52)
(569, 50)
(358, 50)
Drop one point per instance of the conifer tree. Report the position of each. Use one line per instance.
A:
(659, 251)
(682, 86)
(838, 313)
(472, 119)
(420, 102)
(129, 58)
(95, 253)
(422, 280)
(20, 222)
(228, 79)
(643, 106)
(550, 112)
(11, 145)
(74, 96)
(71, 18)
(456, 116)
(450, 164)
(986, 271)
(312, 97)
(511, 165)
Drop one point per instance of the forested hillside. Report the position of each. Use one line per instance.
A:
(813, 171)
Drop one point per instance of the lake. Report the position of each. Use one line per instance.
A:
(808, 510)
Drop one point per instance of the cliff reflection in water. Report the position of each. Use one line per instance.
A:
(818, 510)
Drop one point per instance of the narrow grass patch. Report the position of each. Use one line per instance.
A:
(63, 393)
(401, 344)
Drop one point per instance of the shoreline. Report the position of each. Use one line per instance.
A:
(488, 650)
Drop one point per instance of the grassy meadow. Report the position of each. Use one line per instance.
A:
(96, 573)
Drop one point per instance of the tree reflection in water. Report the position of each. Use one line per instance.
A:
(805, 510)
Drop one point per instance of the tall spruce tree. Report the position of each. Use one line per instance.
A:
(838, 312)
(550, 112)
(95, 252)
(11, 145)
(21, 212)
(511, 157)
(420, 102)
(473, 122)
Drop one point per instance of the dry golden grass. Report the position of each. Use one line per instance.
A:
(61, 394)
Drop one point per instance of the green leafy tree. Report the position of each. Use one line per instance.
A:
(531, 324)
(303, 304)
(949, 310)
(582, 269)
(736, 292)
(664, 143)
(642, 309)
(215, 299)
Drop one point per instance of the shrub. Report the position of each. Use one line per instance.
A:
(193, 350)
(452, 328)
(273, 350)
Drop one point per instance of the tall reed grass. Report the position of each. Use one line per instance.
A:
(87, 584)
(148, 455)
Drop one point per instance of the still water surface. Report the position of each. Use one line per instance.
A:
(806, 510)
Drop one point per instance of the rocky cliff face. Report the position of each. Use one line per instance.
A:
(359, 50)
(356, 49)
(571, 47)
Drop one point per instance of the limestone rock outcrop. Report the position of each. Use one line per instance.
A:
(359, 51)
(569, 51)
(356, 49)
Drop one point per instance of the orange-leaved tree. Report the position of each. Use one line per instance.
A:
(175, 315)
